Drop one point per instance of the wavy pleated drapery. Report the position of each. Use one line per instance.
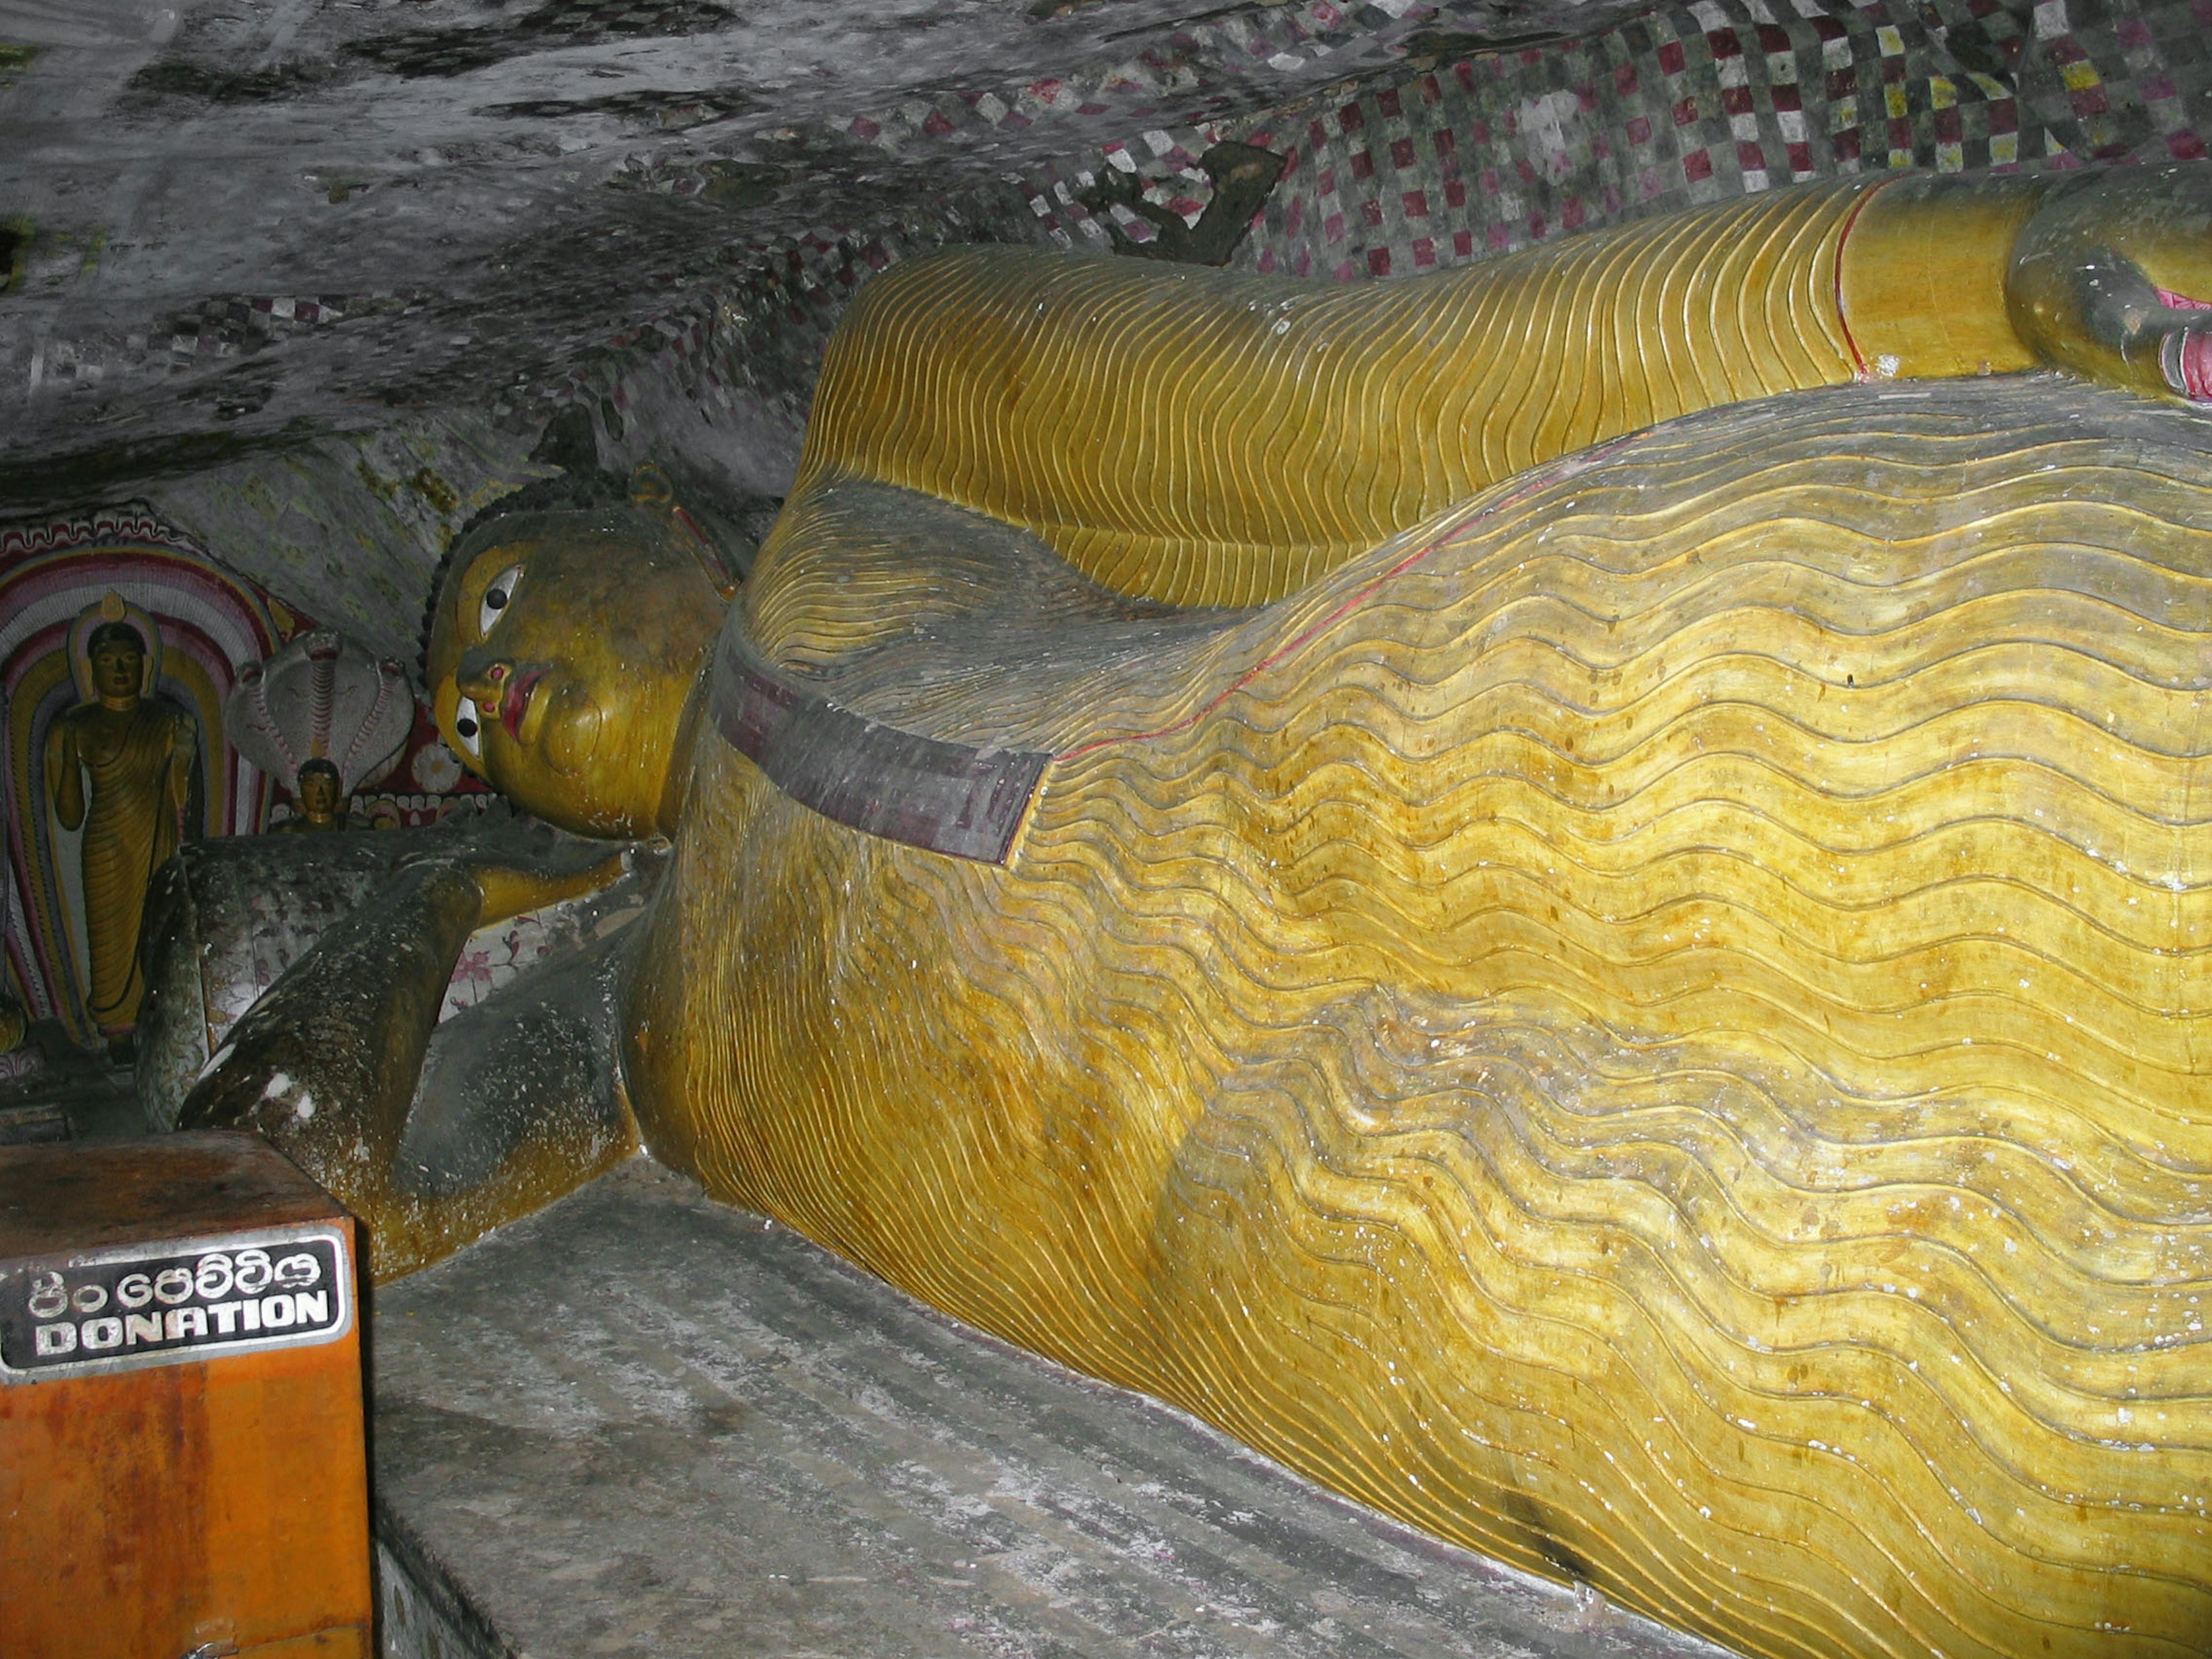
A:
(1653, 1024)
(1208, 438)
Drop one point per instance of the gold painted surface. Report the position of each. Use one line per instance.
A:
(1923, 270)
(561, 671)
(119, 768)
(1661, 1039)
(1207, 438)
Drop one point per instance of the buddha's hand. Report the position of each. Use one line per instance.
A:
(508, 887)
(2112, 278)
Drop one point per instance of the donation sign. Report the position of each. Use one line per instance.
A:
(151, 1304)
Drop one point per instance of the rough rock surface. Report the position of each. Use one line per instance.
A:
(241, 215)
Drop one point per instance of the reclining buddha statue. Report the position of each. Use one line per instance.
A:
(1575, 895)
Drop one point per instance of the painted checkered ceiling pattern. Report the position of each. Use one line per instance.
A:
(1697, 103)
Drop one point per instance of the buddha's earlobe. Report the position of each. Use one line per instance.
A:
(651, 491)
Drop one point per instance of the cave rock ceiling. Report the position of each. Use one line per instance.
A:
(235, 214)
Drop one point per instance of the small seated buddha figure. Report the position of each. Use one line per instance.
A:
(320, 792)
(1575, 896)
(118, 767)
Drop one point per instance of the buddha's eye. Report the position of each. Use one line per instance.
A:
(467, 727)
(497, 598)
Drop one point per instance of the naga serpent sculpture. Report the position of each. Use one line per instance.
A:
(1643, 1004)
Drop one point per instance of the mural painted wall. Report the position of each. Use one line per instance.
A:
(209, 623)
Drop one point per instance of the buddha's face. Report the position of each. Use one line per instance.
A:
(318, 797)
(560, 664)
(116, 668)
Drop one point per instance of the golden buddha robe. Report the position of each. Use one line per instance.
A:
(1651, 1021)
(1209, 438)
(1660, 1038)
(137, 765)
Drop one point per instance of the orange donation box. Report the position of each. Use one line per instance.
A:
(182, 1468)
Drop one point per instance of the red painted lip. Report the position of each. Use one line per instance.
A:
(2189, 353)
(2195, 355)
(515, 702)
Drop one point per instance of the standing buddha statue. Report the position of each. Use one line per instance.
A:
(119, 766)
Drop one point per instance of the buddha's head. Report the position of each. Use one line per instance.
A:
(119, 662)
(564, 645)
(320, 787)
(2113, 278)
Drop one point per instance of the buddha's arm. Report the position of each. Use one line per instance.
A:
(65, 782)
(1212, 438)
(326, 1064)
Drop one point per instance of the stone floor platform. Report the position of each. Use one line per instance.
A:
(645, 1424)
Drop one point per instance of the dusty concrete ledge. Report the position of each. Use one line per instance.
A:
(644, 1423)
